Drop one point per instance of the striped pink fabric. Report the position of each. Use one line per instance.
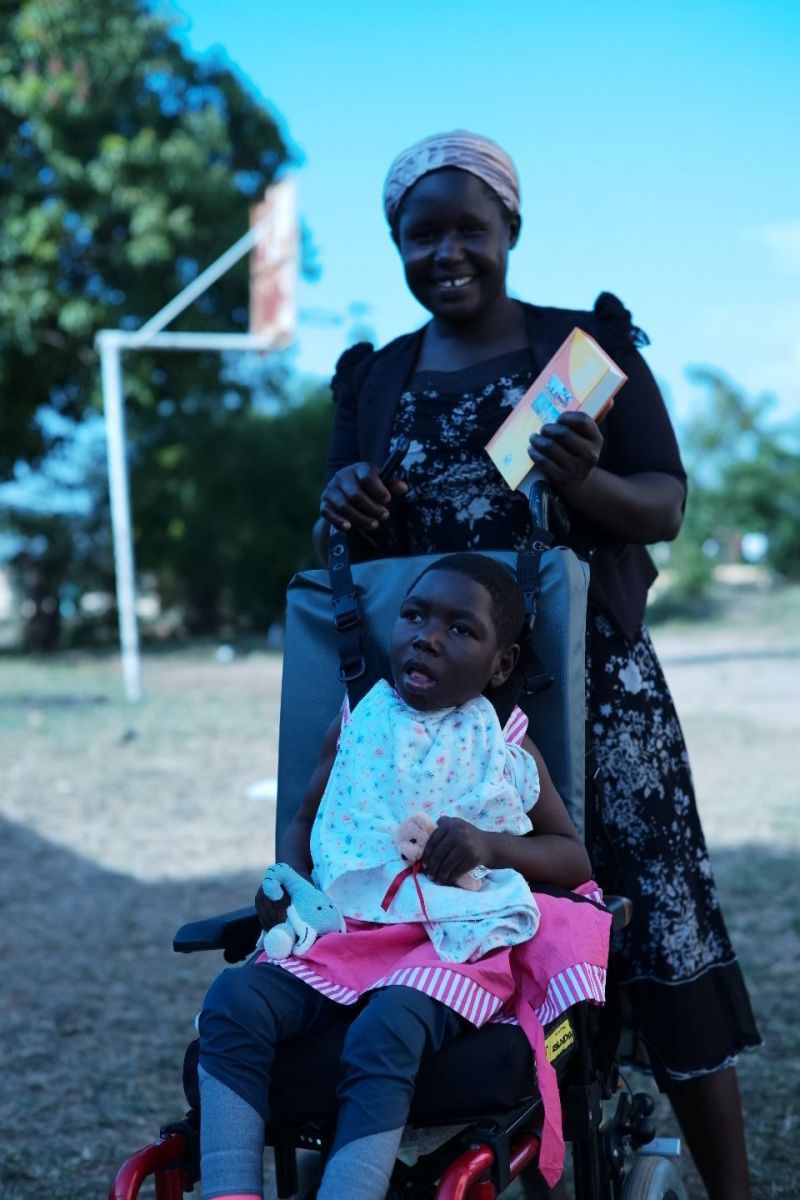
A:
(515, 727)
(457, 991)
(583, 981)
(297, 966)
(465, 996)
(565, 963)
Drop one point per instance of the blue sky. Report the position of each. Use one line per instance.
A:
(656, 143)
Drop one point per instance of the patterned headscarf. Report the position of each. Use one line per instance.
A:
(467, 151)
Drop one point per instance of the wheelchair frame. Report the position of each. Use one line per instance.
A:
(489, 1153)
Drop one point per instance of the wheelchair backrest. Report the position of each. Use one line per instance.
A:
(312, 694)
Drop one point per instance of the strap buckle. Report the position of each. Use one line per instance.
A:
(345, 613)
(352, 668)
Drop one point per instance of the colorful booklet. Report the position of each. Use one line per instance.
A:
(579, 376)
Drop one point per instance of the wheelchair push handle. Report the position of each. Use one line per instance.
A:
(395, 460)
(386, 472)
(547, 509)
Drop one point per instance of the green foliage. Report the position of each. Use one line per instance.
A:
(59, 538)
(765, 493)
(223, 514)
(743, 478)
(691, 570)
(126, 169)
(223, 505)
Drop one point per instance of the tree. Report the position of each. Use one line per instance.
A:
(127, 168)
(223, 513)
(744, 478)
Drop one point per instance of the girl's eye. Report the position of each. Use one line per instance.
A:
(411, 615)
(462, 630)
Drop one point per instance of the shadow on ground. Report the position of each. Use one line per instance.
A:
(98, 1011)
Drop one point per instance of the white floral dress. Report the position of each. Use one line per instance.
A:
(393, 761)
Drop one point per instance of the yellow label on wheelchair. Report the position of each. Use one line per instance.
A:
(558, 1040)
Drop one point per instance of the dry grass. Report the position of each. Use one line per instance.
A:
(121, 823)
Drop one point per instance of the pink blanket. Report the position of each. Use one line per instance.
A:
(532, 983)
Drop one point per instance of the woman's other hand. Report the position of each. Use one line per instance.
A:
(567, 451)
(271, 912)
(454, 847)
(357, 498)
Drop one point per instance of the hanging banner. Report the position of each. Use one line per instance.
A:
(273, 266)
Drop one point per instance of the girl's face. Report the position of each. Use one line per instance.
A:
(444, 648)
(454, 236)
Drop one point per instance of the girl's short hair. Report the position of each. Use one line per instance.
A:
(507, 604)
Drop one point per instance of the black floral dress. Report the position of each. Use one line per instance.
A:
(685, 1003)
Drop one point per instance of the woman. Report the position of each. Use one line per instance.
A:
(452, 203)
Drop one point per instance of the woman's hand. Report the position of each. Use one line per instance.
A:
(357, 498)
(567, 451)
(453, 848)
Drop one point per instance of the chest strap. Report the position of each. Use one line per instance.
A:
(347, 618)
(533, 674)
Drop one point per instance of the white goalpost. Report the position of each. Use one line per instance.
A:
(273, 235)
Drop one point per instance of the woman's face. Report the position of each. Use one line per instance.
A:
(454, 237)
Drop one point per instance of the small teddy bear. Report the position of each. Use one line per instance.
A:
(411, 838)
(310, 913)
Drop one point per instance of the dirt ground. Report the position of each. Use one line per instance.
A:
(122, 822)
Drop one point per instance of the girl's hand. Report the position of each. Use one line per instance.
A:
(567, 451)
(454, 848)
(356, 498)
(271, 912)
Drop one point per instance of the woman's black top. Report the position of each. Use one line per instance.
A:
(457, 500)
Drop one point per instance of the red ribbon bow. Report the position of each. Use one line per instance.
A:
(394, 888)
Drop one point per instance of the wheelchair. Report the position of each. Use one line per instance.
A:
(476, 1111)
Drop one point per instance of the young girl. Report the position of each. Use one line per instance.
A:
(429, 960)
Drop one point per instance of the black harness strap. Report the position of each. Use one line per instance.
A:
(534, 676)
(347, 617)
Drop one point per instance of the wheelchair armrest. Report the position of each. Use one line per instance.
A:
(234, 932)
(621, 909)
(237, 932)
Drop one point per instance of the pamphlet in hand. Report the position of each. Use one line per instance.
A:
(579, 377)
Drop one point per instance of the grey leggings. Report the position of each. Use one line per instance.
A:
(249, 1011)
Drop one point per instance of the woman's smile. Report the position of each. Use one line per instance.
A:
(460, 282)
(454, 239)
